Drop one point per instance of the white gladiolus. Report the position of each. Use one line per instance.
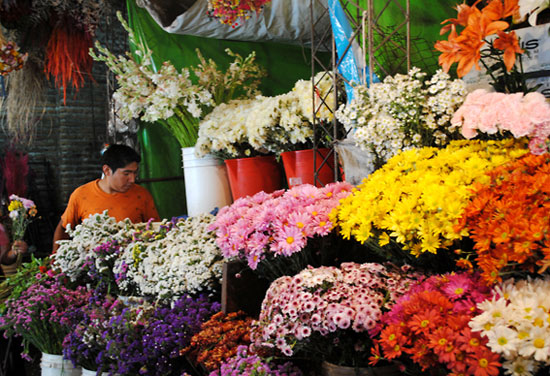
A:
(532, 8)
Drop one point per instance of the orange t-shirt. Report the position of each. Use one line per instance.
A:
(136, 204)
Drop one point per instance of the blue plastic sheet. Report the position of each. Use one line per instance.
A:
(349, 67)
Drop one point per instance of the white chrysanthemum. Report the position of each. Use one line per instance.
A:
(503, 340)
(267, 124)
(223, 127)
(537, 345)
(493, 314)
(521, 308)
(416, 106)
(92, 232)
(520, 367)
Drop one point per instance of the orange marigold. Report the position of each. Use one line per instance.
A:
(219, 339)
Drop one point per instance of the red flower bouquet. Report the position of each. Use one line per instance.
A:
(429, 325)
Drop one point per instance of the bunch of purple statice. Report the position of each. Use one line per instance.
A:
(85, 345)
(248, 364)
(171, 329)
(44, 314)
(147, 340)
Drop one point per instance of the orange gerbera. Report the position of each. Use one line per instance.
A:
(441, 339)
(465, 264)
(509, 43)
(375, 354)
(435, 336)
(424, 321)
(511, 231)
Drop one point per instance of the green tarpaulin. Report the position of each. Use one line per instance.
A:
(425, 23)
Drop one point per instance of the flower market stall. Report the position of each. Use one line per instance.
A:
(436, 263)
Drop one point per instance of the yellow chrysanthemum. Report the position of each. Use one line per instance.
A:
(419, 195)
(14, 205)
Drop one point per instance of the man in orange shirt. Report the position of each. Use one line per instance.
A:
(115, 192)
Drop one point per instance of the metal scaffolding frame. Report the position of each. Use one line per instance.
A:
(373, 38)
(322, 40)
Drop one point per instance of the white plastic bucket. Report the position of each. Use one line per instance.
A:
(87, 372)
(55, 365)
(206, 183)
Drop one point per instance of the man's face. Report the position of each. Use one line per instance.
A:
(123, 178)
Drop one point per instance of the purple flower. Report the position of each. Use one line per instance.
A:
(247, 364)
(44, 313)
(146, 340)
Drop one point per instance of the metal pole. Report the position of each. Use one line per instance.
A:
(408, 18)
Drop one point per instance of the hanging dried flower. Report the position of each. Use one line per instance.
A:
(67, 58)
(10, 57)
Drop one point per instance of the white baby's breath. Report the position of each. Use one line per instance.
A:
(402, 112)
(92, 232)
(185, 260)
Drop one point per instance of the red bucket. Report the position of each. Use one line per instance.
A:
(248, 176)
(299, 167)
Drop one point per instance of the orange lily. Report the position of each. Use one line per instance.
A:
(469, 55)
(482, 25)
(508, 42)
(464, 12)
(511, 8)
(494, 10)
(449, 50)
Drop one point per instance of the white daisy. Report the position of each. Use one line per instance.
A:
(520, 367)
(503, 340)
(537, 346)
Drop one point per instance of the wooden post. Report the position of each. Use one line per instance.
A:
(242, 289)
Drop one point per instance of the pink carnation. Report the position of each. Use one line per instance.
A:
(328, 300)
(490, 113)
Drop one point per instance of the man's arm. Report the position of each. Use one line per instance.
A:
(59, 234)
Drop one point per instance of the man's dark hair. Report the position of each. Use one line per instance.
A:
(119, 156)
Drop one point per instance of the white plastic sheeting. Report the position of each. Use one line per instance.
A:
(357, 163)
(282, 21)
